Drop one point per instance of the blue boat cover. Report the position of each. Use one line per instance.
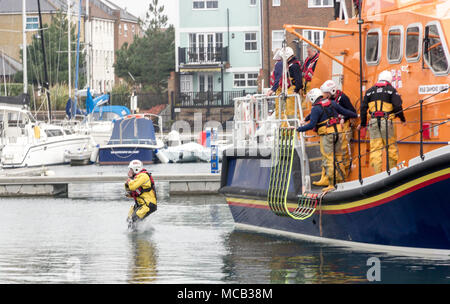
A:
(104, 112)
(133, 131)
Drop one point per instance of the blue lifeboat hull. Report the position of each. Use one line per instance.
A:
(408, 210)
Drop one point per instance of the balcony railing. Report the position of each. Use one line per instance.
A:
(202, 55)
(209, 99)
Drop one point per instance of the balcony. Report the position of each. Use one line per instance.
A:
(208, 99)
(202, 56)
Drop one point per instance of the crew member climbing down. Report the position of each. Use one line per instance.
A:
(324, 120)
(141, 187)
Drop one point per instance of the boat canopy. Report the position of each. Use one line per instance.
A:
(134, 130)
(110, 112)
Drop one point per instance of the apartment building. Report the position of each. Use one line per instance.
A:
(218, 52)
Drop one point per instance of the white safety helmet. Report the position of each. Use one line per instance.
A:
(136, 166)
(288, 52)
(314, 94)
(329, 86)
(385, 76)
(277, 55)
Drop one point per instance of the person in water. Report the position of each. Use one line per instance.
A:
(141, 187)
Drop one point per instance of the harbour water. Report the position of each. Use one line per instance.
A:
(190, 239)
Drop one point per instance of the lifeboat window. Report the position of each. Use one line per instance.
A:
(373, 47)
(435, 50)
(395, 37)
(413, 41)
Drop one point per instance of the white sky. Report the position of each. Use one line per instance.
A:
(140, 7)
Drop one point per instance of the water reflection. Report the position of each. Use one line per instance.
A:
(144, 258)
(266, 259)
(190, 239)
(261, 258)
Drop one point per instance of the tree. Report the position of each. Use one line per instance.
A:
(55, 37)
(149, 58)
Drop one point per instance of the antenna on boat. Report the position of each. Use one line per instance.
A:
(360, 23)
(46, 84)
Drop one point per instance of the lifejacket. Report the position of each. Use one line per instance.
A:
(309, 66)
(380, 108)
(139, 191)
(272, 79)
(289, 78)
(337, 97)
(332, 120)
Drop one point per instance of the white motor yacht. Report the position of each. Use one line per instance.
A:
(26, 142)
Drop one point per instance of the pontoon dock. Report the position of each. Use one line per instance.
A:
(18, 186)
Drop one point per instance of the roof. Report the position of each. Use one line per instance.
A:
(12, 66)
(124, 14)
(15, 6)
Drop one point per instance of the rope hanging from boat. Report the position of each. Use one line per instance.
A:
(280, 175)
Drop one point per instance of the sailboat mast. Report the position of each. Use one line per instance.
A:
(24, 48)
(46, 83)
(69, 49)
(75, 104)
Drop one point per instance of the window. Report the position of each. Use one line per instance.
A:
(125, 30)
(250, 42)
(32, 23)
(413, 42)
(315, 37)
(320, 3)
(252, 2)
(395, 43)
(435, 52)
(245, 80)
(277, 39)
(276, 2)
(373, 47)
(54, 132)
(205, 4)
(120, 29)
(219, 41)
(205, 82)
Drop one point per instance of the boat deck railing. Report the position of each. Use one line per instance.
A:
(257, 119)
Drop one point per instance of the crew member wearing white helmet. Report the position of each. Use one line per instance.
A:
(278, 61)
(383, 103)
(324, 120)
(294, 81)
(330, 91)
(141, 187)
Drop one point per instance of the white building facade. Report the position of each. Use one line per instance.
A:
(102, 54)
